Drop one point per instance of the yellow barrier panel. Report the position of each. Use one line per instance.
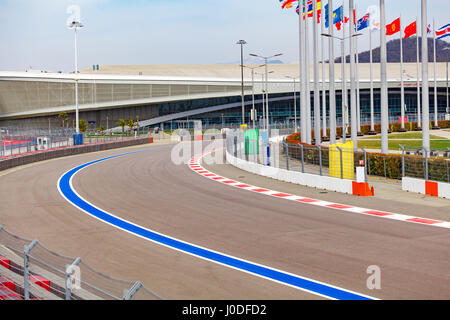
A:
(348, 165)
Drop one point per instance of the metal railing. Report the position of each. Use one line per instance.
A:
(418, 163)
(42, 274)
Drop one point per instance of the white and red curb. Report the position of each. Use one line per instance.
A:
(194, 164)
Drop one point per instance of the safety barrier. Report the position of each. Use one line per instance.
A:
(269, 166)
(28, 158)
(31, 271)
(431, 188)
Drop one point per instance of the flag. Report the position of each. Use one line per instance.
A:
(363, 22)
(411, 30)
(287, 4)
(443, 32)
(393, 28)
(429, 29)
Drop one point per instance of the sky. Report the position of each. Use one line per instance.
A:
(33, 33)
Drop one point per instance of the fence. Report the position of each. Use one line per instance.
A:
(339, 163)
(417, 163)
(29, 270)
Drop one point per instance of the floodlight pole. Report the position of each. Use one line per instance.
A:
(241, 43)
(383, 78)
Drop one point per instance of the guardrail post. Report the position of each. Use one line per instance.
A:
(320, 159)
(235, 146)
(129, 294)
(342, 164)
(26, 271)
(403, 160)
(303, 163)
(69, 269)
(287, 155)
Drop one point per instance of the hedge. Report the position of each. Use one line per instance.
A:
(378, 164)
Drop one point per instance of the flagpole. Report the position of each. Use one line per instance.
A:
(317, 135)
(402, 98)
(324, 96)
(425, 92)
(344, 80)
(383, 78)
(302, 73)
(331, 76)
(358, 101)
(372, 121)
(418, 78)
(308, 80)
(353, 106)
(436, 125)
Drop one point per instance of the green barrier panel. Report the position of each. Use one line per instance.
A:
(251, 142)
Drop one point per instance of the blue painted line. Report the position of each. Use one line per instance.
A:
(67, 191)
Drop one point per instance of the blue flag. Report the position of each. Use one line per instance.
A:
(338, 15)
(363, 22)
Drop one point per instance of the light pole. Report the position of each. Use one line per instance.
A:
(267, 84)
(75, 25)
(383, 78)
(344, 81)
(253, 92)
(295, 104)
(242, 42)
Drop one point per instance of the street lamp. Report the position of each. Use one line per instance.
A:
(253, 91)
(295, 103)
(344, 82)
(263, 75)
(267, 87)
(75, 25)
(242, 42)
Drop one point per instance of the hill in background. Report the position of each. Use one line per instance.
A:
(409, 51)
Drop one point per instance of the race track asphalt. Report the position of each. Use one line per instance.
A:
(149, 190)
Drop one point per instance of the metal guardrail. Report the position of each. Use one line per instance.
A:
(40, 273)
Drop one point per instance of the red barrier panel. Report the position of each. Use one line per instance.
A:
(41, 281)
(4, 262)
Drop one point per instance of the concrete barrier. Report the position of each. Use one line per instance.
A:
(431, 188)
(67, 151)
(305, 179)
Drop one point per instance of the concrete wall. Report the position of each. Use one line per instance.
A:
(305, 179)
(58, 153)
(432, 188)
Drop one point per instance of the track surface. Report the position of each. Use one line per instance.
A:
(147, 189)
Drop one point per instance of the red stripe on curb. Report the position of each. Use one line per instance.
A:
(338, 206)
(307, 200)
(282, 195)
(218, 178)
(198, 169)
(260, 190)
(422, 220)
(378, 213)
(203, 171)
(243, 186)
(229, 181)
(210, 175)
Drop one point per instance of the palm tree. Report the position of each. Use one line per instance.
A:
(83, 125)
(122, 123)
(131, 125)
(102, 130)
(63, 117)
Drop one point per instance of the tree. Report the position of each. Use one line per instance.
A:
(83, 125)
(131, 125)
(63, 117)
(122, 123)
(102, 130)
